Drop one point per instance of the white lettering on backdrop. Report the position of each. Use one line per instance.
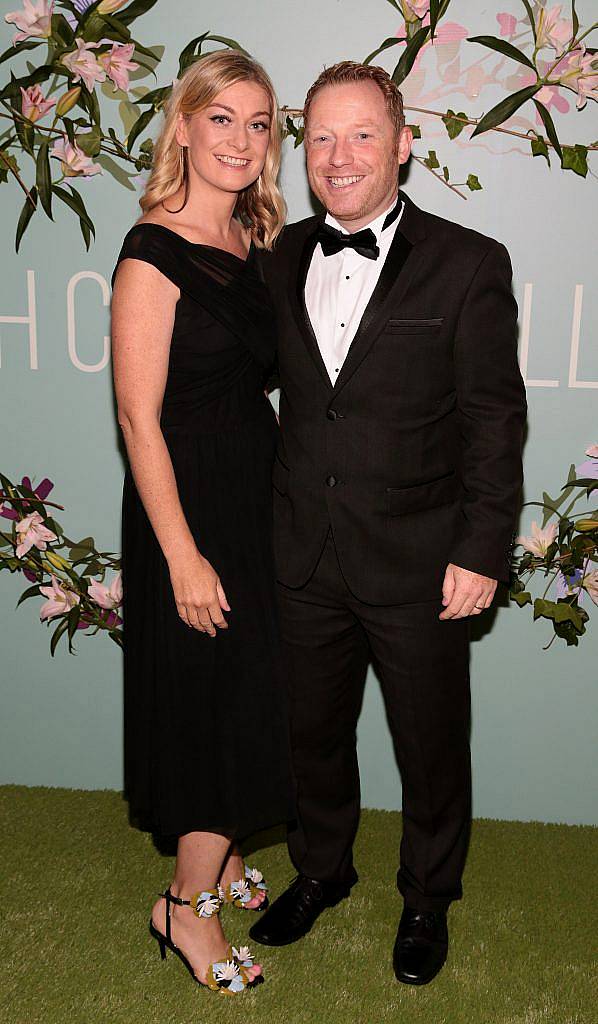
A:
(525, 325)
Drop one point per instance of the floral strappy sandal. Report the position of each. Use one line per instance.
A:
(244, 890)
(229, 976)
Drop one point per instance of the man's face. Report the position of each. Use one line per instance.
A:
(353, 153)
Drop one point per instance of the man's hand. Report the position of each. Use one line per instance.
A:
(465, 593)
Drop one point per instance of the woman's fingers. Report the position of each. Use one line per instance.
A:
(216, 615)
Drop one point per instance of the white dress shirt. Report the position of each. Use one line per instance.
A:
(338, 289)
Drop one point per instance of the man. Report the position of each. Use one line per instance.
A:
(396, 489)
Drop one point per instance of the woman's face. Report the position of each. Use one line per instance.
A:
(227, 142)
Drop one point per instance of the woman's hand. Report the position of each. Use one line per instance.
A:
(199, 595)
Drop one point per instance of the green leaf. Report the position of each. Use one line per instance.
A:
(187, 54)
(415, 130)
(118, 173)
(62, 32)
(432, 160)
(445, 173)
(473, 183)
(7, 160)
(14, 50)
(299, 137)
(73, 621)
(574, 19)
(391, 41)
(454, 123)
(90, 142)
(43, 178)
(30, 592)
(26, 215)
(135, 10)
(522, 598)
(58, 632)
(140, 124)
(502, 46)
(575, 158)
(117, 636)
(539, 148)
(408, 57)
(544, 609)
(549, 125)
(232, 44)
(25, 134)
(75, 203)
(157, 97)
(530, 15)
(505, 109)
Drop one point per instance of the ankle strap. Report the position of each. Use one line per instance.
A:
(205, 903)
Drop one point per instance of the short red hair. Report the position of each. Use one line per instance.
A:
(349, 71)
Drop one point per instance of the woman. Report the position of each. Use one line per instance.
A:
(193, 341)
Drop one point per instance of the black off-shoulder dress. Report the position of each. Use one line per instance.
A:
(206, 739)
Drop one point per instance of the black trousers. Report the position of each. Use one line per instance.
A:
(329, 637)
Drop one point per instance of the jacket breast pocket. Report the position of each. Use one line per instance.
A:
(419, 325)
(280, 477)
(420, 497)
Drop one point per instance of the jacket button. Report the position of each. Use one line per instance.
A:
(331, 481)
(331, 414)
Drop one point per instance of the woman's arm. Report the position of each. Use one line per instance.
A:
(143, 310)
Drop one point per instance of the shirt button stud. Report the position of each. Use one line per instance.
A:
(331, 414)
(331, 481)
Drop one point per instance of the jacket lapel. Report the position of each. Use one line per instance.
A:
(297, 279)
(404, 258)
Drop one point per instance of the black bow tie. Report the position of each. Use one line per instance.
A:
(364, 242)
(332, 241)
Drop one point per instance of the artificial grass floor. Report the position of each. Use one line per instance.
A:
(77, 885)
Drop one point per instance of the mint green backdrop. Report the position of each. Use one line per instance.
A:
(534, 712)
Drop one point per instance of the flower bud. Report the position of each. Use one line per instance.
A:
(110, 6)
(585, 525)
(67, 101)
(56, 560)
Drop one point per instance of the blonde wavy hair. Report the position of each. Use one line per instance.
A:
(260, 207)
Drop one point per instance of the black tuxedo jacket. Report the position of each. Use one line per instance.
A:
(413, 457)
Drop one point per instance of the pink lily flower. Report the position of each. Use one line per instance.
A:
(34, 21)
(83, 65)
(117, 64)
(592, 451)
(540, 540)
(107, 597)
(552, 30)
(415, 9)
(59, 600)
(550, 96)
(33, 533)
(74, 161)
(579, 71)
(508, 24)
(34, 104)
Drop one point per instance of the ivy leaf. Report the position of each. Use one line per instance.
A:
(445, 173)
(415, 130)
(575, 158)
(549, 125)
(539, 148)
(505, 109)
(391, 41)
(522, 598)
(454, 123)
(502, 46)
(432, 160)
(90, 142)
(408, 57)
(7, 160)
(473, 183)
(26, 215)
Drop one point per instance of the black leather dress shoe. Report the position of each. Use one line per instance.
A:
(293, 914)
(421, 946)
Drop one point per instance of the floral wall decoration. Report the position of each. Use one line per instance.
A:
(79, 99)
(82, 50)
